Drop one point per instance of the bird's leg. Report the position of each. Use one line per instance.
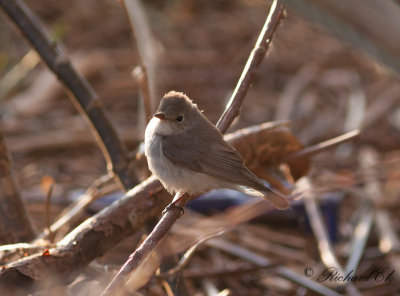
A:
(178, 196)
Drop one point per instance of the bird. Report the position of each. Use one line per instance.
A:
(188, 154)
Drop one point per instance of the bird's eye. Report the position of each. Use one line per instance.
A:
(179, 118)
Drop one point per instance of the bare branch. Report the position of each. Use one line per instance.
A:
(48, 202)
(84, 97)
(101, 232)
(232, 109)
(91, 239)
(190, 252)
(326, 251)
(140, 74)
(265, 262)
(144, 73)
(74, 211)
(147, 246)
(331, 143)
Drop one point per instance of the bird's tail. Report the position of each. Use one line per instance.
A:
(278, 199)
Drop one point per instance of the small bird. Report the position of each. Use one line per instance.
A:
(187, 153)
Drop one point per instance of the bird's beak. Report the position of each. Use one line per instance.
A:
(160, 115)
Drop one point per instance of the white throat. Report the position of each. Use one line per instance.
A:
(159, 127)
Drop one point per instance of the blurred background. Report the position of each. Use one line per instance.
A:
(325, 71)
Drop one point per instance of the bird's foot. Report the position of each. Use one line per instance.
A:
(171, 206)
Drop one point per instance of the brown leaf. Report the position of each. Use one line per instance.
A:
(266, 146)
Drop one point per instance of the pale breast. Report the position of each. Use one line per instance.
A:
(173, 177)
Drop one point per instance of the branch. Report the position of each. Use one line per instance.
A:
(73, 212)
(372, 192)
(141, 205)
(145, 72)
(325, 248)
(231, 112)
(264, 262)
(84, 97)
(232, 109)
(91, 239)
(15, 224)
(100, 233)
(328, 144)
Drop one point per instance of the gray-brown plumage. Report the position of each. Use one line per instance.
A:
(188, 153)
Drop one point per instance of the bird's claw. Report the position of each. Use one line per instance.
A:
(173, 205)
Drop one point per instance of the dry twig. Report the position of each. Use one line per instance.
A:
(388, 239)
(85, 98)
(100, 233)
(264, 262)
(326, 251)
(317, 148)
(232, 109)
(123, 218)
(74, 211)
(49, 193)
(189, 253)
(17, 73)
(145, 71)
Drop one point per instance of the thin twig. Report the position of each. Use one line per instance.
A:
(326, 251)
(147, 246)
(13, 77)
(389, 242)
(84, 97)
(98, 234)
(231, 112)
(360, 237)
(91, 239)
(331, 143)
(144, 73)
(56, 139)
(388, 239)
(207, 229)
(220, 223)
(318, 226)
(221, 271)
(265, 262)
(147, 49)
(367, 159)
(190, 252)
(232, 109)
(48, 218)
(140, 74)
(9, 253)
(73, 211)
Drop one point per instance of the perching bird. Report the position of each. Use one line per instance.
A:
(187, 153)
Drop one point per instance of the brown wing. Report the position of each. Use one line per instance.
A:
(208, 154)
